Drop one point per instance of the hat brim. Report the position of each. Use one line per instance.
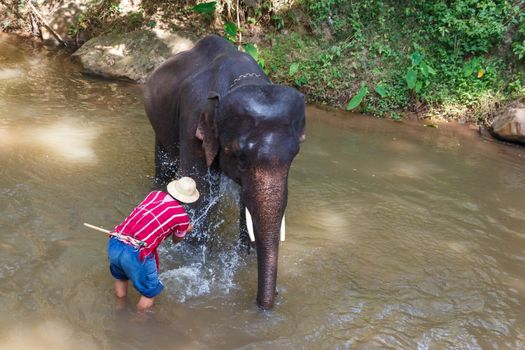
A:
(181, 197)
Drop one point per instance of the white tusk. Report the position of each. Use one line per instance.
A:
(283, 229)
(249, 225)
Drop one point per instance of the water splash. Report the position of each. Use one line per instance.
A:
(210, 267)
(201, 271)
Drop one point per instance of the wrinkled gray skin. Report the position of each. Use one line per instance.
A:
(213, 108)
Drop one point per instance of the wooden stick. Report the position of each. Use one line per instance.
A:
(118, 235)
(43, 20)
(239, 33)
(97, 228)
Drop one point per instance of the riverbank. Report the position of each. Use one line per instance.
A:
(463, 61)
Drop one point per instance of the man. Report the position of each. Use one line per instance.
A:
(133, 251)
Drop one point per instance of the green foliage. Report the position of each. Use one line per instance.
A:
(434, 54)
(251, 49)
(206, 7)
(356, 100)
(294, 67)
(380, 89)
(518, 46)
(231, 31)
(135, 19)
(321, 9)
(466, 26)
(297, 79)
(419, 73)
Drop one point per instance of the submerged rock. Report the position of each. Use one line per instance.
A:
(510, 125)
(130, 56)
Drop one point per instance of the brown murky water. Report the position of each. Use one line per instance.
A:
(399, 236)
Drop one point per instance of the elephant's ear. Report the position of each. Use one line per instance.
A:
(207, 130)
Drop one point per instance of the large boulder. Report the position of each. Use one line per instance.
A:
(510, 125)
(130, 56)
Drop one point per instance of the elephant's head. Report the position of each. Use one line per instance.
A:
(255, 131)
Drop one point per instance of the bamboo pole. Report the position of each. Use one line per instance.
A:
(97, 228)
(132, 240)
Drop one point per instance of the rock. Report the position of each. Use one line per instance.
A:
(130, 56)
(510, 125)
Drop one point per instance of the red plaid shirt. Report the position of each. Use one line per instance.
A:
(155, 219)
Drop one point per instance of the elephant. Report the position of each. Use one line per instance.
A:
(213, 109)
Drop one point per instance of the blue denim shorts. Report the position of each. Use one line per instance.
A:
(124, 264)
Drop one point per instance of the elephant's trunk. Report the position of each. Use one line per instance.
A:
(266, 197)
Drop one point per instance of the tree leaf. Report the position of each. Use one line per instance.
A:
(424, 69)
(262, 64)
(231, 29)
(419, 85)
(206, 7)
(294, 67)
(468, 69)
(380, 89)
(356, 100)
(416, 58)
(481, 73)
(411, 78)
(250, 49)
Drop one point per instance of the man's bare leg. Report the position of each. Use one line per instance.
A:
(145, 303)
(121, 288)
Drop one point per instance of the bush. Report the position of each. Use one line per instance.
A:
(409, 54)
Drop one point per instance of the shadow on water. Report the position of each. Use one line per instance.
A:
(398, 236)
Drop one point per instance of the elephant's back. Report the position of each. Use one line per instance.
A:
(187, 63)
(167, 82)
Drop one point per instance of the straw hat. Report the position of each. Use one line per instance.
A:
(184, 190)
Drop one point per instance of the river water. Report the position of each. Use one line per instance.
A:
(399, 236)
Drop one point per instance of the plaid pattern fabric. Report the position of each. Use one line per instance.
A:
(153, 220)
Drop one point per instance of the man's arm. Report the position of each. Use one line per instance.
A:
(177, 239)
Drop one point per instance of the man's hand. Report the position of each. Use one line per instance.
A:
(179, 239)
